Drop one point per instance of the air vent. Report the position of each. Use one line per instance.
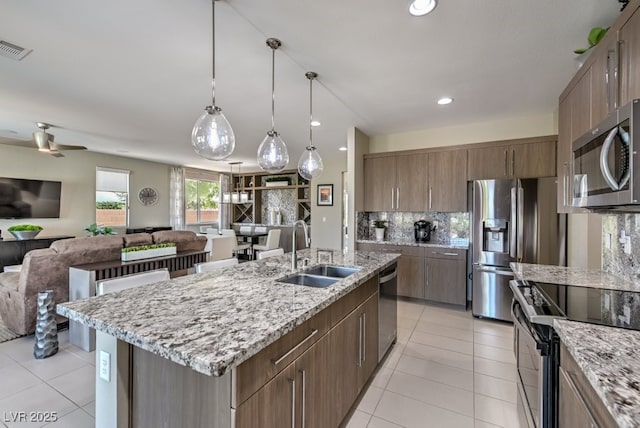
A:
(13, 51)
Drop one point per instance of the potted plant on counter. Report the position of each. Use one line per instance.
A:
(381, 226)
(148, 251)
(25, 231)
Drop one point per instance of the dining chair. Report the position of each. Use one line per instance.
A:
(222, 247)
(120, 283)
(273, 241)
(209, 266)
(246, 229)
(270, 253)
(261, 229)
(246, 248)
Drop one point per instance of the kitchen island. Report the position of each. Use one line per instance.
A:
(235, 347)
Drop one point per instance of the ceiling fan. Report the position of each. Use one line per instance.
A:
(43, 141)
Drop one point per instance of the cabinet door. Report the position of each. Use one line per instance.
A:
(411, 276)
(564, 155)
(604, 83)
(581, 106)
(379, 184)
(628, 78)
(411, 190)
(488, 162)
(273, 405)
(314, 381)
(446, 280)
(572, 410)
(447, 181)
(369, 340)
(534, 160)
(344, 346)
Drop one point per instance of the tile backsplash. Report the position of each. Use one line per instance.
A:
(614, 259)
(451, 226)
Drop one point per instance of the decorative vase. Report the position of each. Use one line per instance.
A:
(24, 234)
(46, 343)
(380, 233)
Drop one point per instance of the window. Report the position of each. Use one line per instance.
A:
(112, 197)
(202, 195)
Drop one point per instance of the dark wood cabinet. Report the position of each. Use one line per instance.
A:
(380, 183)
(411, 183)
(447, 191)
(12, 251)
(446, 272)
(579, 405)
(531, 158)
(411, 272)
(313, 398)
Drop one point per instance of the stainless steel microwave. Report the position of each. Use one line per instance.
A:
(605, 169)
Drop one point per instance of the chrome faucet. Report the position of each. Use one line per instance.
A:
(294, 256)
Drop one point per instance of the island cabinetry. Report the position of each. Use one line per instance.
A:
(446, 276)
(531, 158)
(579, 406)
(312, 376)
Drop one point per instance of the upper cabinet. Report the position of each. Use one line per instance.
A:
(416, 182)
(532, 158)
(609, 79)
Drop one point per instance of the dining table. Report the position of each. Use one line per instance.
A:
(252, 238)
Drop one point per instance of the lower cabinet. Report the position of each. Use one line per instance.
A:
(316, 389)
(446, 272)
(411, 272)
(578, 404)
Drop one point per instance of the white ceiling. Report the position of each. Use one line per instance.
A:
(131, 77)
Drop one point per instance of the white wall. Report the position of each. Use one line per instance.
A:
(77, 172)
(503, 129)
(326, 221)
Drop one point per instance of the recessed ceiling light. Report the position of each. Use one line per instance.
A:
(445, 100)
(315, 123)
(421, 7)
(343, 149)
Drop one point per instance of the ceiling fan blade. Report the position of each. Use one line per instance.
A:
(15, 142)
(66, 147)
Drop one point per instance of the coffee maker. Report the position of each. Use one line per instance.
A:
(422, 231)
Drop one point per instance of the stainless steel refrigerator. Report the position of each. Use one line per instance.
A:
(513, 220)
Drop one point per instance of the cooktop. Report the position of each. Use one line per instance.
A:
(615, 308)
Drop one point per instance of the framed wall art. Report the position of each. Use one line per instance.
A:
(325, 195)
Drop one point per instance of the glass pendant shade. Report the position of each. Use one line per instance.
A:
(310, 164)
(212, 136)
(272, 153)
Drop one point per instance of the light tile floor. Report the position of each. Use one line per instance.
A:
(448, 369)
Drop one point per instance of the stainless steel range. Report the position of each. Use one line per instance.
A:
(534, 308)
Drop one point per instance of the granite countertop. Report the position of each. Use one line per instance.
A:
(609, 359)
(459, 245)
(572, 276)
(212, 322)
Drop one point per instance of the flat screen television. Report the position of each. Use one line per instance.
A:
(22, 198)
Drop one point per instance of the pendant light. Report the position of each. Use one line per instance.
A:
(272, 153)
(212, 136)
(310, 163)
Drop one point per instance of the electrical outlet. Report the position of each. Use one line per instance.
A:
(105, 366)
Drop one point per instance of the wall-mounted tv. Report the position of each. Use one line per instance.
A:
(22, 198)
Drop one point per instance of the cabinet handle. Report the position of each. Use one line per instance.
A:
(616, 75)
(292, 350)
(513, 162)
(506, 162)
(430, 200)
(565, 184)
(392, 189)
(445, 254)
(364, 337)
(397, 198)
(293, 402)
(574, 388)
(360, 341)
(304, 397)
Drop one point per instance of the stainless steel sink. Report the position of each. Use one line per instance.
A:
(309, 280)
(332, 271)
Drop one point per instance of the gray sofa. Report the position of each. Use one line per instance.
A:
(48, 269)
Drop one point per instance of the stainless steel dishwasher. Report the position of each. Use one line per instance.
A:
(387, 309)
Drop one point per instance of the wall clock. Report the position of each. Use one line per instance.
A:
(148, 196)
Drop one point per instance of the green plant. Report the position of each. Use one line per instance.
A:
(380, 224)
(148, 247)
(96, 230)
(595, 35)
(25, 227)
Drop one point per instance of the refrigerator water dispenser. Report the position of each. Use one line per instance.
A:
(495, 235)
